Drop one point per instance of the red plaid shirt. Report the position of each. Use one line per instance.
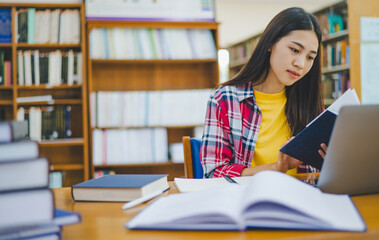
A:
(231, 131)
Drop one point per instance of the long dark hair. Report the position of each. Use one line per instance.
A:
(304, 98)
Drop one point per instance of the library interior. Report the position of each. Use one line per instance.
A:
(106, 122)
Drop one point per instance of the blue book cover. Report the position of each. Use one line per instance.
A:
(52, 229)
(306, 144)
(121, 181)
(119, 187)
(64, 217)
(5, 25)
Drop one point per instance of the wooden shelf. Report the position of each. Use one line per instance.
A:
(335, 69)
(150, 24)
(151, 75)
(152, 61)
(66, 167)
(54, 102)
(46, 86)
(140, 127)
(138, 165)
(6, 102)
(62, 142)
(41, 5)
(5, 45)
(27, 45)
(5, 87)
(335, 36)
(63, 154)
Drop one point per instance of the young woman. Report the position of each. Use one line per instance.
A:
(275, 95)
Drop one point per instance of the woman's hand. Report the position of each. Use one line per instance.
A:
(286, 162)
(323, 151)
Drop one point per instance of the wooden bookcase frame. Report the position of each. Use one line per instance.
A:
(67, 155)
(150, 75)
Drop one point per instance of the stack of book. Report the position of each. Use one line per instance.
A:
(26, 203)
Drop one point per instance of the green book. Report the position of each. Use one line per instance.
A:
(31, 25)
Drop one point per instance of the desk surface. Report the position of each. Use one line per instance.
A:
(107, 220)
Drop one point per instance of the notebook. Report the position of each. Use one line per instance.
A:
(351, 163)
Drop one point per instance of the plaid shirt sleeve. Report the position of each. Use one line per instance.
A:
(217, 152)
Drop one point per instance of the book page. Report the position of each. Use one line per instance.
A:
(350, 97)
(215, 208)
(288, 199)
(190, 185)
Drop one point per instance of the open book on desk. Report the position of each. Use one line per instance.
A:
(306, 144)
(272, 200)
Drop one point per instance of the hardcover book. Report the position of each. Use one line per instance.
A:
(306, 144)
(24, 174)
(119, 187)
(26, 208)
(61, 218)
(13, 131)
(20, 150)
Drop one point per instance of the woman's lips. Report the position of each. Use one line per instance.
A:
(293, 74)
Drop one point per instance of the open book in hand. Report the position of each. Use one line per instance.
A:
(272, 200)
(306, 144)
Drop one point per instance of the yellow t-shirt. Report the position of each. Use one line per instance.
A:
(274, 128)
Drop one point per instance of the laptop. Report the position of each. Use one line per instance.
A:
(351, 164)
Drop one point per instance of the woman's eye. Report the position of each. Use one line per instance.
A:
(294, 50)
(311, 58)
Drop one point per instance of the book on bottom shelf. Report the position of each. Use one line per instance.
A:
(272, 200)
(119, 187)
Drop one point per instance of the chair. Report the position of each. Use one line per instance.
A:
(192, 164)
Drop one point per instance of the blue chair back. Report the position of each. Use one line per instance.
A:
(196, 163)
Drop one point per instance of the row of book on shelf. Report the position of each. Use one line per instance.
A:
(5, 70)
(47, 122)
(26, 204)
(51, 68)
(123, 146)
(331, 22)
(129, 146)
(337, 53)
(334, 85)
(241, 52)
(149, 108)
(47, 26)
(142, 43)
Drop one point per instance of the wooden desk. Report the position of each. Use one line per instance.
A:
(107, 220)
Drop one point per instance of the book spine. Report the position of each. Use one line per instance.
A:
(5, 25)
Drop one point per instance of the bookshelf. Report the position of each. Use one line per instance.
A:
(340, 46)
(160, 75)
(335, 55)
(67, 154)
